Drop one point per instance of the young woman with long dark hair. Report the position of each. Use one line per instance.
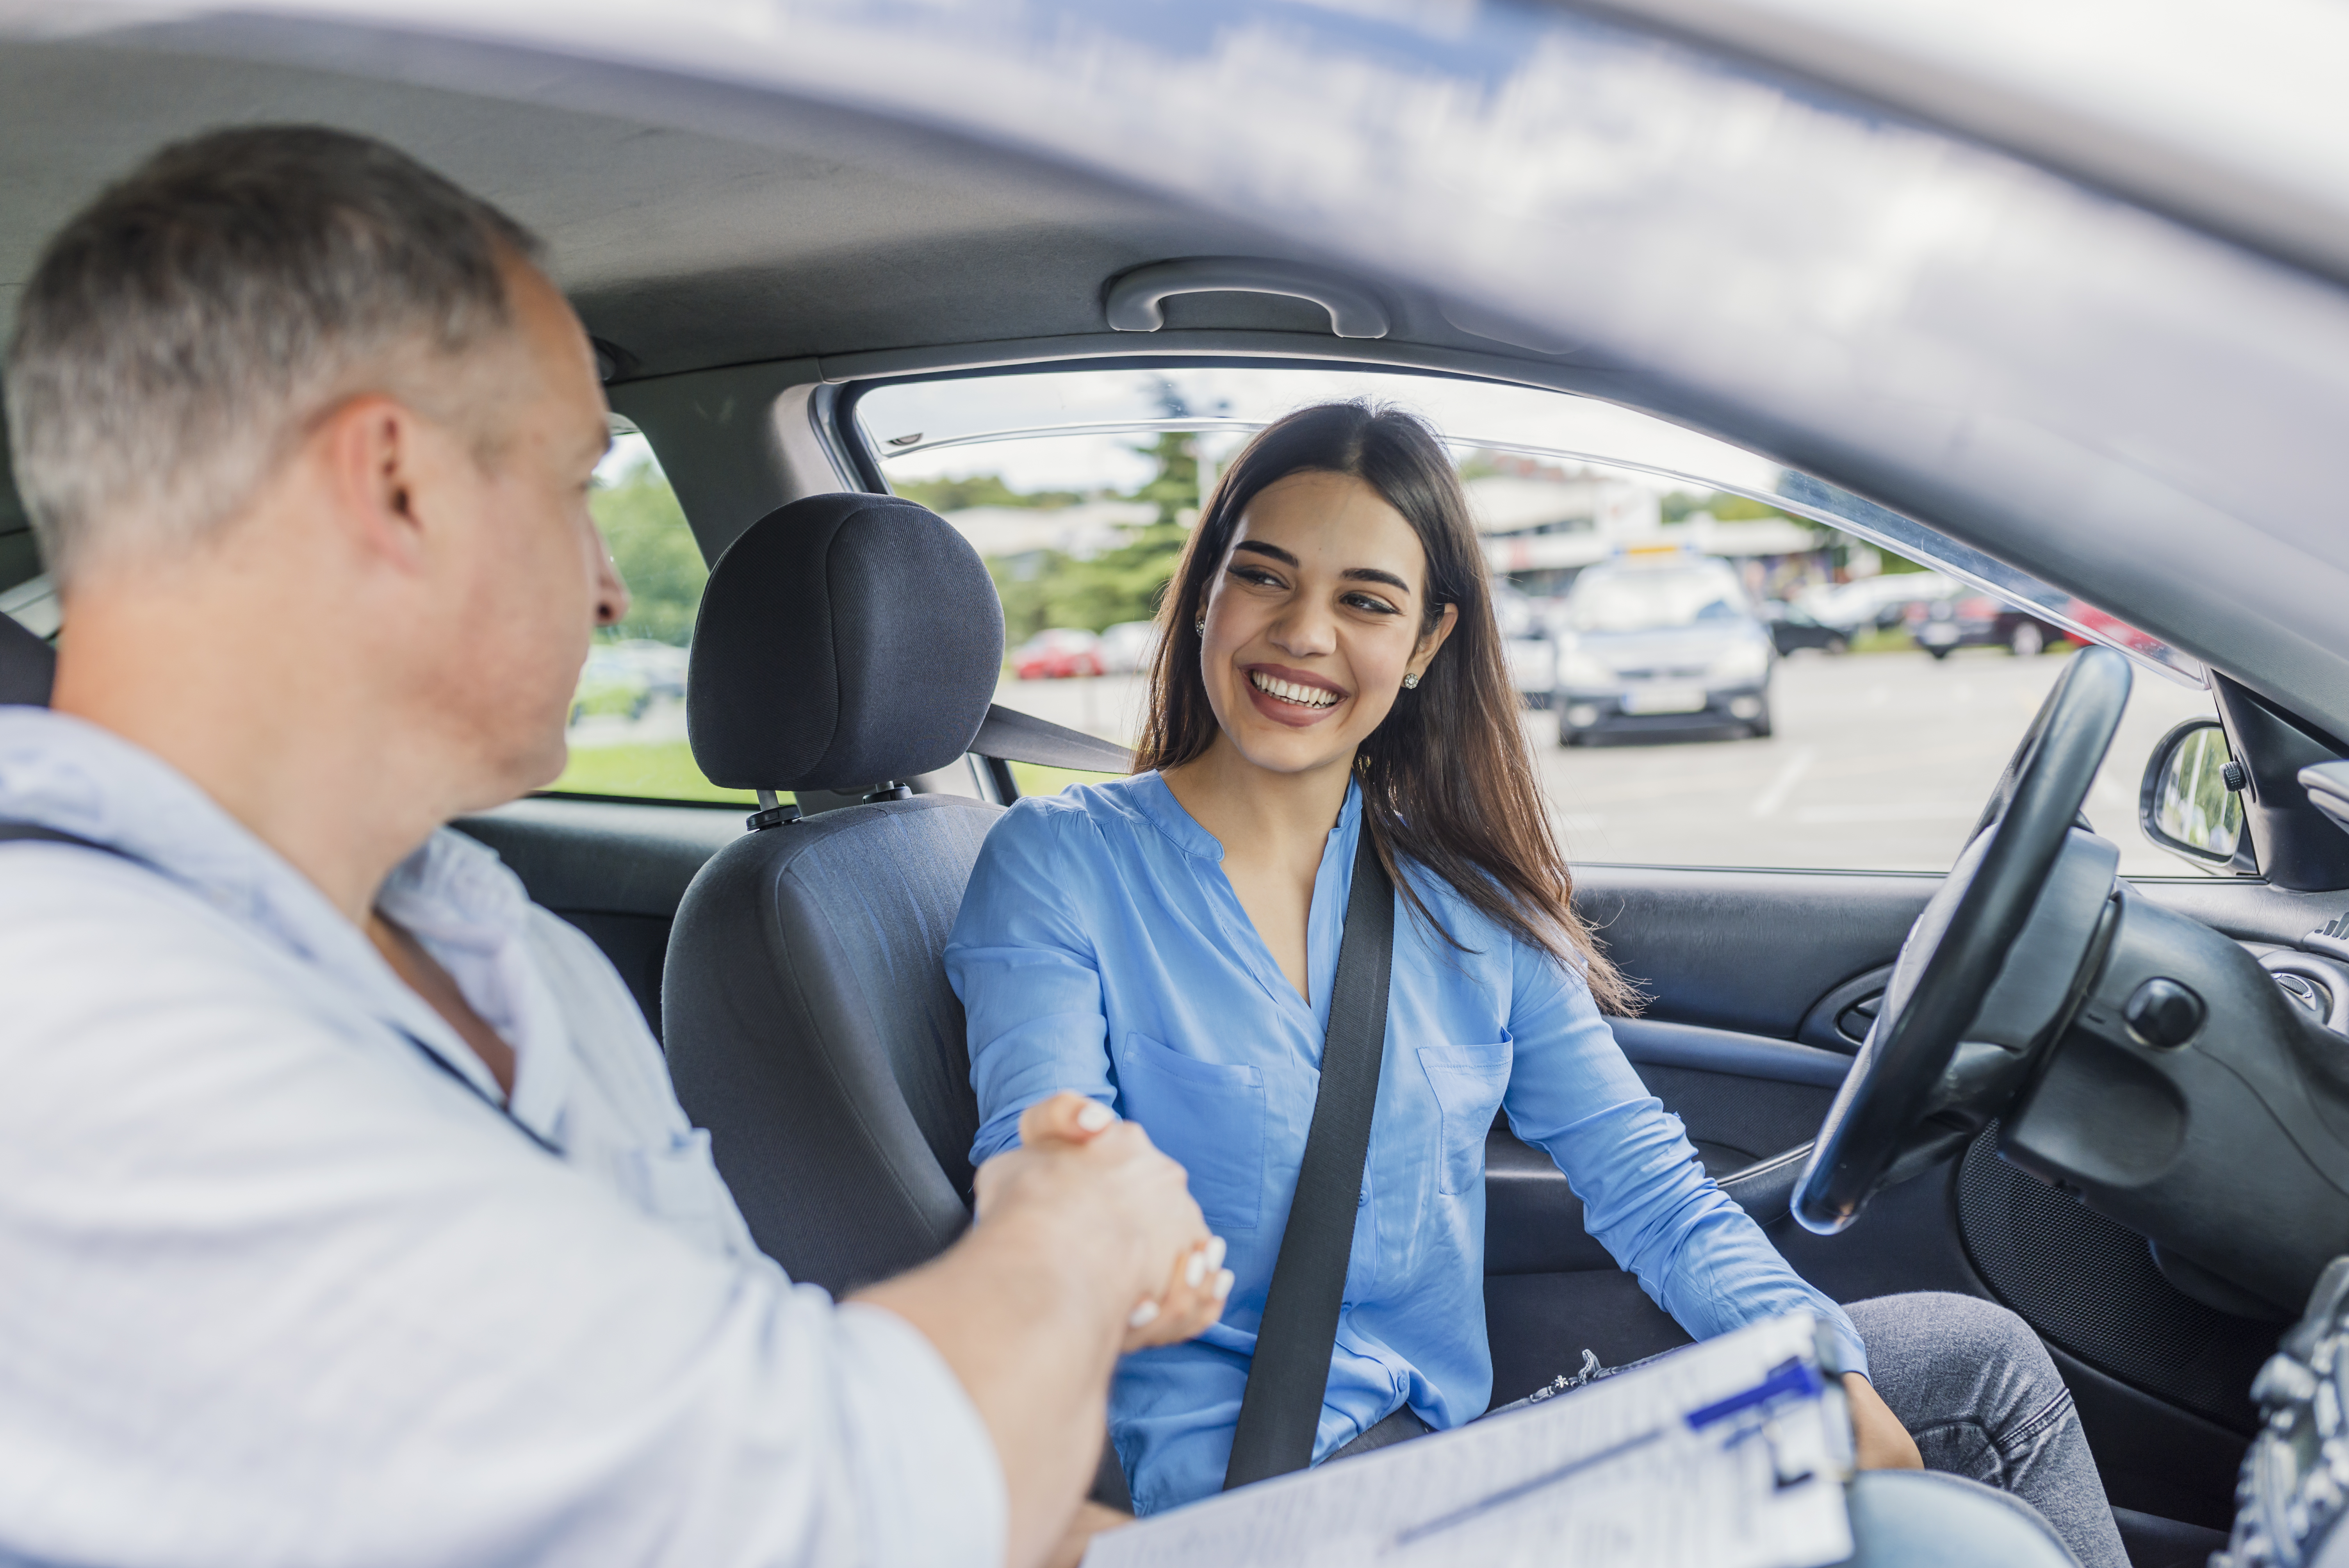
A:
(1166, 943)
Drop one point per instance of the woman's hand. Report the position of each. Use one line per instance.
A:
(1197, 1284)
(1878, 1439)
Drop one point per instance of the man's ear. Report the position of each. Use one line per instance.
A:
(369, 446)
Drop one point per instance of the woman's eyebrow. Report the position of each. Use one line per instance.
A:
(1351, 573)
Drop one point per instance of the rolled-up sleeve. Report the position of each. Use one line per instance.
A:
(1645, 1194)
(1030, 984)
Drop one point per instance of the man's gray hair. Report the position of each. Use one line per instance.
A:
(181, 333)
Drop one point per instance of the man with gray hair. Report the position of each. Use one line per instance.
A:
(346, 1213)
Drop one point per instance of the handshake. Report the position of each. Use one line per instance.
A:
(1098, 1180)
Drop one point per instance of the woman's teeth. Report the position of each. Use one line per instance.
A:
(1289, 691)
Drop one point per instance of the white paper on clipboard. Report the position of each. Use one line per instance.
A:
(1611, 1476)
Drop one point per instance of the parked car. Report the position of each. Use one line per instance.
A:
(661, 666)
(1128, 648)
(611, 685)
(1969, 619)
(1058, 652)
(1661, 646)
(1792, 629)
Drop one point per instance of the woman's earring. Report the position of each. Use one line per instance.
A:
(1200, 625)
(1410, 683)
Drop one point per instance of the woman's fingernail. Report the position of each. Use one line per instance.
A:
(1223, 1284)
(1095, 1116)
(1215, 1249)
(1194, 1269)
(1142, 1316)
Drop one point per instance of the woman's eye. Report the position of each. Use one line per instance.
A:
(1256, 574)
(1365, 602)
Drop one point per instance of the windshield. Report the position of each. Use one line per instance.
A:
(1651, 601)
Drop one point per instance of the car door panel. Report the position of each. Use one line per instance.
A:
(1753, 951)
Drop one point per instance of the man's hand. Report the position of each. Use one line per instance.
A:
(1878, 1439)
(1190, 1295)
(1083, 1232)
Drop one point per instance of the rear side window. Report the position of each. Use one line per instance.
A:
(628, 717)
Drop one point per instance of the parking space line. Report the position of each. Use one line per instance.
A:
(1773, 794)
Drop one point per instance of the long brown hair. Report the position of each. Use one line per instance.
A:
(1446, 779)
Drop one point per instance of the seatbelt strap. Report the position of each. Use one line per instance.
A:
(33, 832)
(1289, 1375)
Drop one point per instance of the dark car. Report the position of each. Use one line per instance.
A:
(1792, 630)
(1970, 620)
(1658, 647)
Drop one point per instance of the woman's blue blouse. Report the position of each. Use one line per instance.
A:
(1101, 949)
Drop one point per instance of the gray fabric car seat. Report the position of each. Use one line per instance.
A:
(844, 643)
(27, 665)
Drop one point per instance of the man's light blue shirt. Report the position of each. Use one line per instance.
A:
(275, 1289)
(1101, 949)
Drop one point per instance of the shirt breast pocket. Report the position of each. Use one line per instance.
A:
(1468, 1081)
(1208, 1116)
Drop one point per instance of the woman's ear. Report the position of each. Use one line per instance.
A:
(1424, 654)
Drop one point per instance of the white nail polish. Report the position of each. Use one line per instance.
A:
(1215, 1249)
(1142, 1316)
(1223, 1284)
(1194, 1269)
(1095, 1116)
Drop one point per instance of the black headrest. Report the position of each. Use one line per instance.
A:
(26, 665)
(843, 640)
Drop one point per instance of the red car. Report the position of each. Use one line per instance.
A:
(1056, 651)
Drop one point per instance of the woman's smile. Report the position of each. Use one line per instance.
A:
(1291, 696)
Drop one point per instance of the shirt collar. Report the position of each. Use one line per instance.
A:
(62, 772)
(1157, 803)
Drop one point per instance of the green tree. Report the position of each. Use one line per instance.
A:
(656, 552)
(1125, 582)
(978, 489)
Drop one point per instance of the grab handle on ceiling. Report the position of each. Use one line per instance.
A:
(1137, 299)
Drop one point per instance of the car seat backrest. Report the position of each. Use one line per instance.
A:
(27, 665)
(844, 643)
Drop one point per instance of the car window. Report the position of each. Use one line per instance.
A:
(627, 716)
(1722, 663)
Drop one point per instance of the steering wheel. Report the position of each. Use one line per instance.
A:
(1938, 1064)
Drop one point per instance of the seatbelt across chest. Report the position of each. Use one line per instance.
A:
(1289, 1375)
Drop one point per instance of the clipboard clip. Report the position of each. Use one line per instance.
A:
(1793, 1381)
(1793, 1378)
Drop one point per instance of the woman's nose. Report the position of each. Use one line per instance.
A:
(1304, 630)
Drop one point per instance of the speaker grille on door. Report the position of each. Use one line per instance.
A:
(2089, 1284)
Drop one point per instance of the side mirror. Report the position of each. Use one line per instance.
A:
(2192, 802)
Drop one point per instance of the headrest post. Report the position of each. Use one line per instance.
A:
(769, 814)
(887, 790)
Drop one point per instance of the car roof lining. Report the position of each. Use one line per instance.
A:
(788, 229)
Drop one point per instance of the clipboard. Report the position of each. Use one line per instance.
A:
(1728, 1454)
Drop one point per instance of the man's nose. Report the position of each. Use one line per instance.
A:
(611, 593)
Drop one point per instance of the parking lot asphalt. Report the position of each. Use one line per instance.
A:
(1880, 762)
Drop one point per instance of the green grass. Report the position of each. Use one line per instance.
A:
(1035, 779)
(664, 771)
(652, 770)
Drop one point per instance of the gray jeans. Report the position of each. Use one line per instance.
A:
(1975, 1388)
